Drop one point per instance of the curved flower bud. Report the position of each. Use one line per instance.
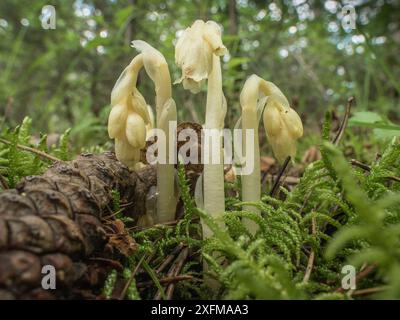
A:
(129, 115)
(116, 121)
(194, 51)
(135, 131)
(293, 123)
(126, 81)
(153, 60)
(157, 69)
(283, 127)
(131, 120)
(126, 154)
(139, 105)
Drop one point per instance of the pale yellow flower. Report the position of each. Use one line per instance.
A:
(129, 118)
(283, 127)
(194, 51)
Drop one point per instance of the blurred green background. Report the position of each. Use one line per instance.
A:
(63, 78)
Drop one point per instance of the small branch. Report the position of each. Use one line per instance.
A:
(365, 272)
(277, 181)
(179, 265)
(3, 183)
(288, 179)
(174, 271)
(112, 215)
(166, 280)
(311, 258)
(343, 125)
(169, 258)
(129, 282)
(361, 275)
(159, 225)
(113, 263)
(364, 292)
(366, 167)
(32, 150)
(361, 165)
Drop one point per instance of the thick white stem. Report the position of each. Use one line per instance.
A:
(166, 200)
(251, 187)
(214, 193)
(251, 184)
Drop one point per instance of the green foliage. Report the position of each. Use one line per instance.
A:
(377, 223)
(338, 214)
(343, 216)
(184, 225)
(253, 270)
(382, 128)
(62, 150)
(109, 284)
(132, 292)
(16, 163)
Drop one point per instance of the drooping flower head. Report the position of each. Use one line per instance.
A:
(282, 124)
(194, 51)
(283, 127)
(129, 118)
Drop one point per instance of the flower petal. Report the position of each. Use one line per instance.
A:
(192, 85)
(194, 53)
(116, 121)
(272, 118)
(139, 105)
(283, 145)
(293, 123)
(125, 153)
(135, 131)
(212, 34)
(153, 60)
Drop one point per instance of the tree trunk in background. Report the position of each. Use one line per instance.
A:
(204, 9)
(94, 94)
(234, 31)
(60, 219)
(233, 18)
(130, 28)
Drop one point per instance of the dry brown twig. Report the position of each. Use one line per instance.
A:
(169, 258)
(278, 179)
(3, 183)
(366, 167)
(166, 280)
(160, 225)
(344, 123)
(129, 282)
(361, 275)
(311, 258)
(180, 261)
(174, 271)
(368, 291)
(113, 263)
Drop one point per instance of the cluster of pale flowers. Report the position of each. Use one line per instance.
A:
(197, 53)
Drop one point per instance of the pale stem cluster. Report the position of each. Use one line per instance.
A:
(198, 53)
(282, 125)
(130, 120)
